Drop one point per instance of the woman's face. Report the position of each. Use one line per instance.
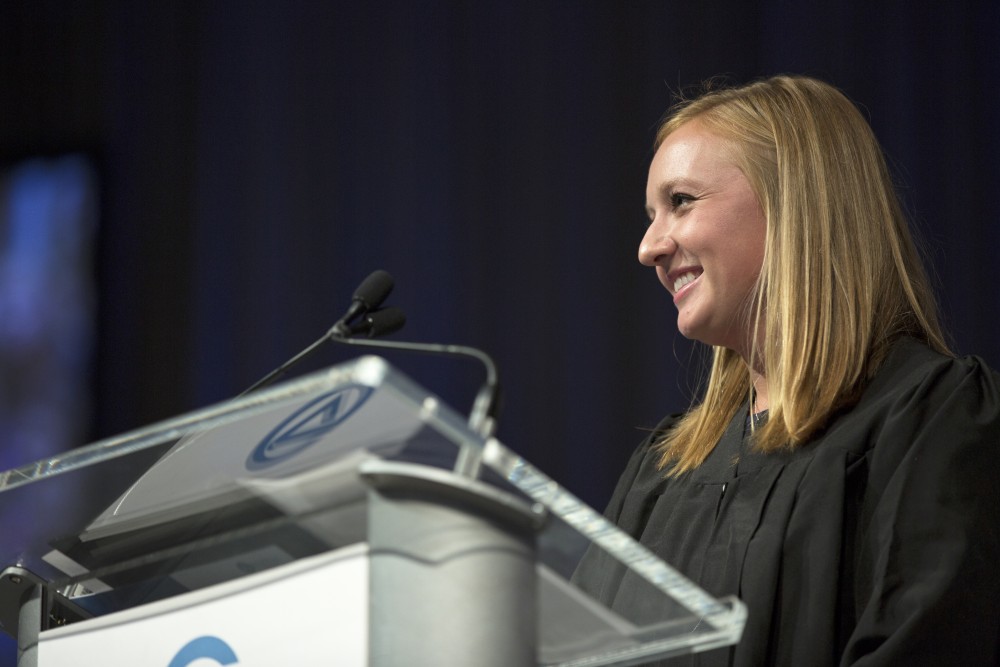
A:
(705, 237)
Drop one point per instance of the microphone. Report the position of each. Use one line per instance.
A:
(374, 324)
(369, 295)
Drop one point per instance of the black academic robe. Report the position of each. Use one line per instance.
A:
(877, 543)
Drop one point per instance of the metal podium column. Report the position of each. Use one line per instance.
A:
(452, 577)
(22, 611)
(29, 626)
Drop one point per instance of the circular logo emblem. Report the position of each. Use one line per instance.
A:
(307, 425)
(208, 647)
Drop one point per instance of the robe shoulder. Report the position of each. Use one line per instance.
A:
(876, 543)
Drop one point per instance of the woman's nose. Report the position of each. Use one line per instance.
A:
(656, 244)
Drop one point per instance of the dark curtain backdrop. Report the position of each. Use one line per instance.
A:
(258, 159)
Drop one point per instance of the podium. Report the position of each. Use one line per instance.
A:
(348, 517)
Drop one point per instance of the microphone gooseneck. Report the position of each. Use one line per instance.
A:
(363, 317)
(486, 407)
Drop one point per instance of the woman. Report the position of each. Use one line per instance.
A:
(837, 474)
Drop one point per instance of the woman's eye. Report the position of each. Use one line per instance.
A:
(678, 199)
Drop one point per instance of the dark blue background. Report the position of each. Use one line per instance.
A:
(259, 159)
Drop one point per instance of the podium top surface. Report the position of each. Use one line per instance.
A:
(271, 477)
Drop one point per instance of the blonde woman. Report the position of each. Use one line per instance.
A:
(838, 473)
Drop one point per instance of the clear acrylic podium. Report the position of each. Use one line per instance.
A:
(347, 517)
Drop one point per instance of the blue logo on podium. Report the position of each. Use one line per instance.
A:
(211, 648)
(307, 425)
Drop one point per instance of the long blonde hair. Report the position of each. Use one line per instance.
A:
(841, 278)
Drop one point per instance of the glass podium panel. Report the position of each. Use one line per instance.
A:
(275, 476)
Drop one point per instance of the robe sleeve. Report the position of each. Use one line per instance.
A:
(927, 584)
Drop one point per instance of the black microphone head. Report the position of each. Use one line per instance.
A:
(384, 322)
(374, 289)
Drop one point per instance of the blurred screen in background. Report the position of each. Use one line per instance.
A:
(48, 218)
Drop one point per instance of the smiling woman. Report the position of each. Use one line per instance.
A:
(705, 237)
(837, 474)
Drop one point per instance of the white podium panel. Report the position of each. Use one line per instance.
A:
(277, 617)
